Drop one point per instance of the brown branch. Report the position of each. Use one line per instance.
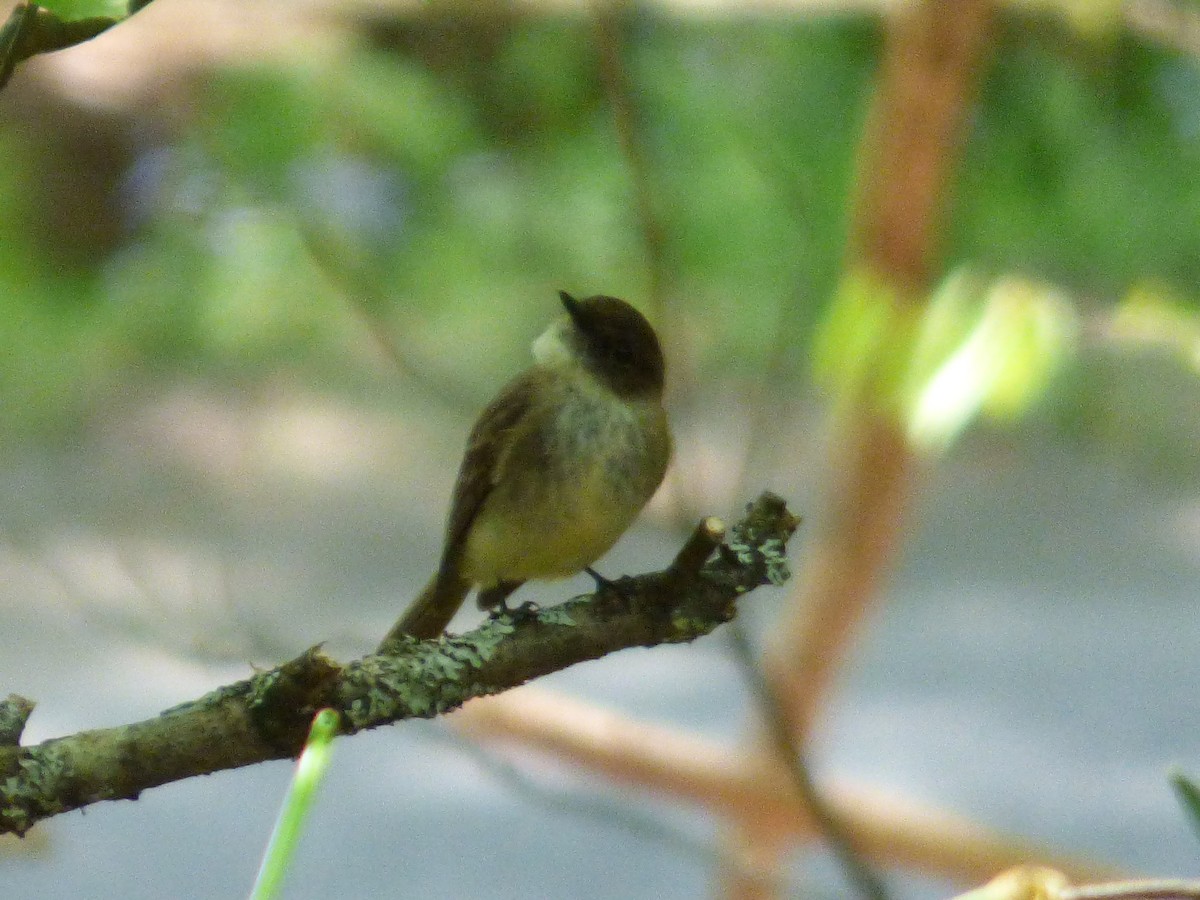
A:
(1152, 889)
(847, 566)
(935, 52)
(930, 71)
(752, 786)
(267, 716)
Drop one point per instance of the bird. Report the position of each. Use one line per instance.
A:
(557, 466)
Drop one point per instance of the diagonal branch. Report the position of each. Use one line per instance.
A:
(733, 783)
(267, 716)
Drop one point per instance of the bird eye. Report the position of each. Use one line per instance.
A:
(622, 351)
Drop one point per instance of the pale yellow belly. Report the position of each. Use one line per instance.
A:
(553, 538)
(570, 489)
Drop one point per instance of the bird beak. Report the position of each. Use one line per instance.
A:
(569, 303)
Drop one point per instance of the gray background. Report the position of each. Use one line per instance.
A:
(1034, 668)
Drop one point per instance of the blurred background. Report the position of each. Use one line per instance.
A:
(261, 264)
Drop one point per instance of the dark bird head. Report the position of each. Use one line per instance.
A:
(614, 342)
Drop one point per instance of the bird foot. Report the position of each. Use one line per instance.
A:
(526, 610)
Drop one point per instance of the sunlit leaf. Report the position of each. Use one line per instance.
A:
(1002, 365)
(945, 322)
(1152, 315)
(1036, 330)
(941, 404)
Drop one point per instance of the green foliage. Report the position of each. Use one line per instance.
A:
(85, 9)
(468, 167)
(58, 349)
(1083, 166)
(1155, 315)
(33, 28)
(1189, 797)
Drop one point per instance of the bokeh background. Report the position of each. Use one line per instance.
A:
(260, 264)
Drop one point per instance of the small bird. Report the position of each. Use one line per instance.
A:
(558, 465)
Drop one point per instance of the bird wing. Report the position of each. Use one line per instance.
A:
(499, 428)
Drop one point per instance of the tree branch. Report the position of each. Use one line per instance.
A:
(267, 716)
(734, 783)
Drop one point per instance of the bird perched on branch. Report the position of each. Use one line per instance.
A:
(558, 465)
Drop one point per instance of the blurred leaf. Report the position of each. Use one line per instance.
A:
(391, 106)
(1091, 18)
(1035, 330)
(262, 296)
(84, 9)
(1152, 315)
(59, 346)
(973, 348)
(30, 30)
(1082, 164)
(1022, 333)
(950, 315)
(238, 105)
(1189, 797)
(63, 360)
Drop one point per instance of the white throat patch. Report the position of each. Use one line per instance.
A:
(555, 348)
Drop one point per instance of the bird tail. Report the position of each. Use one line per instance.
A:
(428, 615)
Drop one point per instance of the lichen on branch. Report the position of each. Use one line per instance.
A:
(267, 715)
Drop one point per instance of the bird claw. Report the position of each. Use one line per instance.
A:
(526, 610)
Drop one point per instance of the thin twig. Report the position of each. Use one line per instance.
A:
(598, 807)
(1151, 889)
(861, 875)
(618, 90)
(362, 296)
(706, 537)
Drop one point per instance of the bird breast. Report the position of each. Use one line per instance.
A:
(576, 479)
